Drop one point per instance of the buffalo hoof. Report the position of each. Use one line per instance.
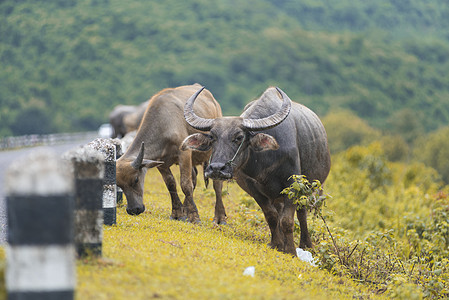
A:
(194, 217)
(181, 218)
(220, 222)
(290, 251)
(195, 220)
(305, 243)
(276, 247)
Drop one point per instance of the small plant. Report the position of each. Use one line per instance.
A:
(306, 194)
(310, 195)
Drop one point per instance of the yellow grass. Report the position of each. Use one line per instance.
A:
(150, 256)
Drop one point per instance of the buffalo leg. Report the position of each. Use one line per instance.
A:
(272, 217)
(269, 210)
(305, 241)
(194, 177)
(185, 167)
(177, 212)
(220, 213)
(287, 225)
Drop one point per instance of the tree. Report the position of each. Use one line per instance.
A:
(433, 150)
(345, 129)
(32, 120)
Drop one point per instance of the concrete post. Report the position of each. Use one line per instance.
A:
(107, 148)
(88, 169)
(118, 154)
(40, 255)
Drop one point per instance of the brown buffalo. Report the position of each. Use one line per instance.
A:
(157, 144)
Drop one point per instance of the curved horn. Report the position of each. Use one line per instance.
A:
(138, 161)
(194, 120)
(273, 120)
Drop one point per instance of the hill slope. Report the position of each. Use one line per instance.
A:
(66, 64)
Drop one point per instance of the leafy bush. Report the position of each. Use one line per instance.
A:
(385, 226)
(395, 148)
(344, 130)
(433, 150)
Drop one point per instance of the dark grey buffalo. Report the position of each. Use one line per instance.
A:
(116, 119)
(271, 140)
(132, 121)
(157, 144)
(126, 118)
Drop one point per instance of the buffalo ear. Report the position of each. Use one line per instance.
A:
(148, 163)
(263, 142)
(197, 141)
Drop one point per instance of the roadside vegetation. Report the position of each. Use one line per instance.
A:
(385, 234)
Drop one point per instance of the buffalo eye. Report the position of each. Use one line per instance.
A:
(136, 180)
(210, 137)
(238, 139)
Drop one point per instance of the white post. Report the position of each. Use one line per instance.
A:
(88, 169)
(107, 148)
(40, 255)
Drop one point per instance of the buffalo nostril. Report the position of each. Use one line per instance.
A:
(217, 167)
(218, 171)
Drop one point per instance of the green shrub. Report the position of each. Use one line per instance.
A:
(386, 225)
(345, 129)
(433, 150)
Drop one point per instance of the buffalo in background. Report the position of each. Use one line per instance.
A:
(126, 118)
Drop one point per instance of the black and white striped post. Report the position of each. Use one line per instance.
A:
(40, 254)
(118, 154)
(107, 148)
(88, 170)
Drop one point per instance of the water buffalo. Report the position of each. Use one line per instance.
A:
(116, 119)
(132, 120)
(157, 144)
(126, 118)
(271, 140)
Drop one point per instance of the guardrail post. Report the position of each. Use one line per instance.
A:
(118, 154)
(40, 255)
(88, 169)
(107, 148)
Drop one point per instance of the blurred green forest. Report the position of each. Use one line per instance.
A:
(64, 64)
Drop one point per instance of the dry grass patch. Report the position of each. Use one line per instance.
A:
(150, 256)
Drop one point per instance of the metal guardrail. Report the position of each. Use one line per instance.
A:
(43, 139)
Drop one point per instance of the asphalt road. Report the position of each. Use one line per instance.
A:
(7, 157)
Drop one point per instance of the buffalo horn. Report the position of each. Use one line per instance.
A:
(192, 118)
(138, 161)
(273, 120)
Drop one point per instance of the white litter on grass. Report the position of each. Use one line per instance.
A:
(306, 256)
(249, 271)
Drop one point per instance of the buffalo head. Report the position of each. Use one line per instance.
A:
(231, 138)
(130, 177)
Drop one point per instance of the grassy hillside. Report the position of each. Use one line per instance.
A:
(65, 64)
(151, 256)
(386, 236)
